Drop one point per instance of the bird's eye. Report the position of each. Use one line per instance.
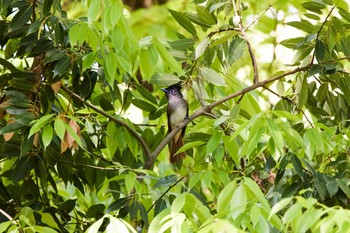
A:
(171, 91)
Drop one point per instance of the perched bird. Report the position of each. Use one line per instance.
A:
(177, 111)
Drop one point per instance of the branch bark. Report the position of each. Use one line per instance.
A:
(116, 120)
(205, 109)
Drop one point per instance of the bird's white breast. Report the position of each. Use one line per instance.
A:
(178, 114)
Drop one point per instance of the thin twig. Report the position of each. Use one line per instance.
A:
(163, 194)
(8, 216)
(259, 17)
(250, 49)
(222, 30)
(118, 121)
(290, 101)
(319, 32)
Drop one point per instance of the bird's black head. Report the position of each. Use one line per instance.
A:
(173, 90)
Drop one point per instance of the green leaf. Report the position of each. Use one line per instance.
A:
(344, 186)
(124, 65)
(111, 67)
(93, 10)
(10, 128)
(303, 25)
(160, 206)
(182, 44)
(225, 197)
(195, 19)
(116, 205)
(201, 47)
(194, 179)
(312, 16)
(344, 13)
(88, 60)
(143, 105)
(146, 94)
(303, 94)
(95, 210)
(331, 185)
(205, 16)
(5, 225)
(166, 181)
(21, 18)
(332, 38)
(297, 165)
(280, 205)
(61, 66)
(47, 219)
(254, 188)
(236, 49)
(302, 54)
(39, 124)
(293, 43)
(320, 183)
(130, 180)
(59, 128)
(212, 76)
(47, 135)
(96, 225)
(239, 201)
(117, 38)
(214, 142)
(293, 212)
(40, 229)
(120, 224)
(167, 58)
(68, 205)
(47, 7)
(190, 145)
(21, 169)
(276, 134)
(315, 69)
(314, 6)
(344, 85)
(146, 67)
(184, 22)
(320, 50)
(8, 65)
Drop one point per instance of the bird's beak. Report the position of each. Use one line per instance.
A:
(165, 90)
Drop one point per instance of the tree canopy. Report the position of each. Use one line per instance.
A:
(84, 132)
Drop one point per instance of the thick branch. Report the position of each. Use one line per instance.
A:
(120, 122)
(205, 109)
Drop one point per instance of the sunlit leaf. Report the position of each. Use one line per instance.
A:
(212, 76)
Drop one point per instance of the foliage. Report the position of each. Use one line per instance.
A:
(82, 124)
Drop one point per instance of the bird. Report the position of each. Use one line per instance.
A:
(177, 111)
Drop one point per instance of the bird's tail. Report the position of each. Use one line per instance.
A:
(176, 143)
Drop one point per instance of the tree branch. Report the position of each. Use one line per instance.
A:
(8, 216)
(319, 32)
(118, 121)
(244, 35)
(203, 110)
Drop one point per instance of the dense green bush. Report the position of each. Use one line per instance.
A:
(83, 126)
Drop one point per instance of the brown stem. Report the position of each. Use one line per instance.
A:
(203, 110)
(319, 32)
(118, 121)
